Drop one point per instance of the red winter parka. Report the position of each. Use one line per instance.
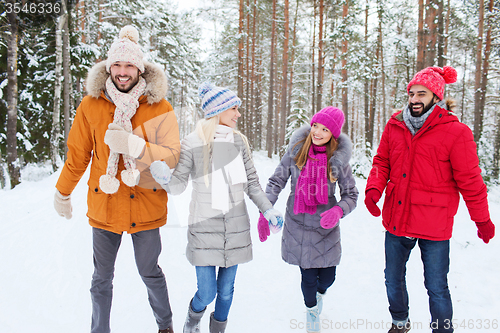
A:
(423, 175)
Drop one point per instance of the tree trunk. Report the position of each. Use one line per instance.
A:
(100, 24)
(246, 82)
(345, 90)
(367, 79)
(12, 48)
(284, 84)
(2, 175)
(292, 60)
(430, 34)
(486, 63)
(240, 50)
(80, 6)
(258, 103)
(313, 63)
(496, 151)
(270, 109)
(68, 101)
(478, 117)
(446, 30)
(440, 40)
(321, 60)
(421, 37)
(252, 123)
(56, 113)
(382, 113)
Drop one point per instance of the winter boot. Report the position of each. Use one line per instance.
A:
(192, 324)
(168, 330)
(313, 324)
(217, 326)
(319, 301)
(400, 328)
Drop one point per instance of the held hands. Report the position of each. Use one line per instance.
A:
(160, 172)
(331, 217)
(62, 205)
(485, 230)
(270, 220)
(371, 198)
(123, 142)
(275, 219)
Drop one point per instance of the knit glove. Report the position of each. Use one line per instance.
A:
(485, 230)
(123, 142)
(263, 227)
(275, 219)
(331, 217)
(62, 205)
(160, 172)
(372, 196)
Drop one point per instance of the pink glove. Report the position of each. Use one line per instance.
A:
(331, 217)
(485, 230)
(372, 196)
(263, 227)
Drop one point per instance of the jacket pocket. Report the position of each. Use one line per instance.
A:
(388, 203)
(428, 214)
(148, 205)
(98, 202)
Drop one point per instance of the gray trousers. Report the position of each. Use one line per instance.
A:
(147, 248)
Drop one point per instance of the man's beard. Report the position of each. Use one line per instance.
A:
(130, 84)
(425, 108)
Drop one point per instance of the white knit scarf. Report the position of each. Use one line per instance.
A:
(126, 106)
(227, 167)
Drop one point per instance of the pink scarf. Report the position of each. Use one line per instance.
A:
(312, 185)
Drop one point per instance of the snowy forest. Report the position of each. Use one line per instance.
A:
(286, 59)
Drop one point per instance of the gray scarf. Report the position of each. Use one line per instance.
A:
(416, 123)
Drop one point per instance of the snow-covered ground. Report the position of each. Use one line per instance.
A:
(46, 270)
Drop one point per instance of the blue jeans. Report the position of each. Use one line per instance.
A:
(316, 280)
(210, 285)
(436, 259)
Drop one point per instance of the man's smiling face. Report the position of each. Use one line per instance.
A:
(124, 75)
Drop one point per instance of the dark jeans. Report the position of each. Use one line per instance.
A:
(147, 248)
(436, 260)
(210, 285)
(316, 280)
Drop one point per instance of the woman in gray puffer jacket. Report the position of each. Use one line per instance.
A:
(218, 159)
(317, 160)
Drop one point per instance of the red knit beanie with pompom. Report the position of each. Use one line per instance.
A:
(434, 78)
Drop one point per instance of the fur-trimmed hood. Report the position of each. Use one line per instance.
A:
(340, 157)
(156, 81)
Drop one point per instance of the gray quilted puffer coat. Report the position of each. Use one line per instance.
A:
(216, 239)
(305, 243)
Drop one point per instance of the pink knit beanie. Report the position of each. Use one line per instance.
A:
(330, 117)
(434, 78)
(126, 49)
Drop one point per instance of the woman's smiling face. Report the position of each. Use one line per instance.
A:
(320, 134)
(230, 117)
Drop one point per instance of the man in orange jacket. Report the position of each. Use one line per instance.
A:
(426, 157)
(123, 124)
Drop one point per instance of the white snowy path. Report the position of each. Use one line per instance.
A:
(46, 268)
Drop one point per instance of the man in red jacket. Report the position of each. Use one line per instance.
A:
(426, 157)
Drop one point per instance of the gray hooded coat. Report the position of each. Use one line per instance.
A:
(216, 239)
(305, 243)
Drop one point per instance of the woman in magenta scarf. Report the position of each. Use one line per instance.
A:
(317, 160)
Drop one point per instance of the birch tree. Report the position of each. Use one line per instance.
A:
(56, 112)
(12, 49)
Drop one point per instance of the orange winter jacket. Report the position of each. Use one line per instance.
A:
(130, 209)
